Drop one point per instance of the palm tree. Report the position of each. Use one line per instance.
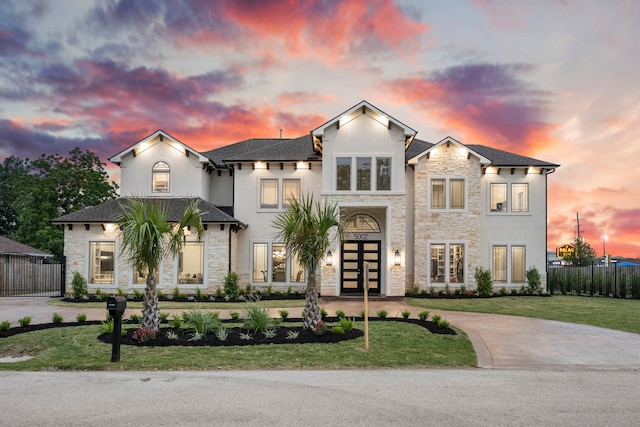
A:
(304, 229)
(147, 236)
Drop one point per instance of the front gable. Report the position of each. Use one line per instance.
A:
(448, 142)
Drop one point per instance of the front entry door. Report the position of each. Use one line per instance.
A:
(354, 254)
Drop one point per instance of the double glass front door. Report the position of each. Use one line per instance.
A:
(354, 254)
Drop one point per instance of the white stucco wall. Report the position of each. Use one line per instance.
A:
(187, 176)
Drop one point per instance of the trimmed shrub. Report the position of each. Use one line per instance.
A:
(483, 281)
(79, 286)
(231, 289)
(25, 321)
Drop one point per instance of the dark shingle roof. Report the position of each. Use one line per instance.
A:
(111, 211)
(8, 246)
(416, 147)
(504, 158)
(268, 150)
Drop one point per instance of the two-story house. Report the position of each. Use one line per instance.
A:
(421, 214)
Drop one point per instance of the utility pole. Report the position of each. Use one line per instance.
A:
(578, 224)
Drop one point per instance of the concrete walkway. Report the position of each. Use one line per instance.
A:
(499, 341)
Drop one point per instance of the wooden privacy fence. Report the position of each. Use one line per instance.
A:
(614, 281)
(31, 276)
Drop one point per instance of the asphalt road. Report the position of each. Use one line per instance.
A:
(474, 397)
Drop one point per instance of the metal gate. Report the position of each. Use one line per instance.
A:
(26, 276)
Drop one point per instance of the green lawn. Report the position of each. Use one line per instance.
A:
(612, 313)
(391, 345)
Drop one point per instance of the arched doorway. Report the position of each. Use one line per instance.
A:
(363, 243)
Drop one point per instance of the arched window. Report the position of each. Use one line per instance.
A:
(362, 223)
(160, 178)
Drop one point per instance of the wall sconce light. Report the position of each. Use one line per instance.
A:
(396, 258)
(329, 258)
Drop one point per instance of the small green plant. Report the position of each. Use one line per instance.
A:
(362, 313)
(443, 324)
(175, 322)
(321, 327)
(107, 326)
(200, 321)
(231, 289)
(245, 336)
(163, 317)
(337, 329)
(423, 315)
(5, 326)
(406, 314)
(121, 293)
(222, 333)
(81, 317)
(161, 296)
(248, 289)
(323, 313)
(218, 292)
(346, 324)
(340, 314)
(138, 294)
(436, 318)
(196, 336)
(143, 335)
(79, 286)
(234, 315)
(98, 294)
(382, 314)
(172, 335)
(56, 318)
(503, 291)
(292, 335)
(135, 318)
(178, 295)
(269, 333)
(257, 317)
(533, 280)
(484, 283)
(24, 321)
(284, 314)
(199, 295)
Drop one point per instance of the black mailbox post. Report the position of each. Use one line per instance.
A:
(116, 306)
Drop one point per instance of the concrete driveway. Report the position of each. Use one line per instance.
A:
(499, 341)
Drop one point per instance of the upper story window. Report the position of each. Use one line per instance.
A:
(290, 191)
(498, 197)
(160, 177)
(268, 193)
(364, 178)
(448, 193)
(343, 173)
(277, 193)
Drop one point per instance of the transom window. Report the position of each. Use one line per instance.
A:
(160, 177)
(362, 223)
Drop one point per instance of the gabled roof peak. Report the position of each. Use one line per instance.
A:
(363, 107)
(143, 144)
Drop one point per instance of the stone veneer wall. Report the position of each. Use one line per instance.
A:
(76, 244)
(394, 234)
(449, 162)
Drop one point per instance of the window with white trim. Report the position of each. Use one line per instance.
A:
(160, 175)
(509, 263)
(272, 263)
(364, 173)
(269, 193)
(448, 193)
(447, 269)
(343, 173)
(501, 199)
(191, 263)
(290, 191)
(383, 173)
(101, 262)
(277, 193)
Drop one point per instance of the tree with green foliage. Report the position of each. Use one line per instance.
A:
(147, 237)
(49, 187)
(304, 229)
(583, 255)
(13, 171)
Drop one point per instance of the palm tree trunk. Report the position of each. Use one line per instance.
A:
(150, 313)
(312, 315)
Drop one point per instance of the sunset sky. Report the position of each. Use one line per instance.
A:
(554, 80)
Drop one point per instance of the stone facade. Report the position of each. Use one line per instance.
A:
(444, 226)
